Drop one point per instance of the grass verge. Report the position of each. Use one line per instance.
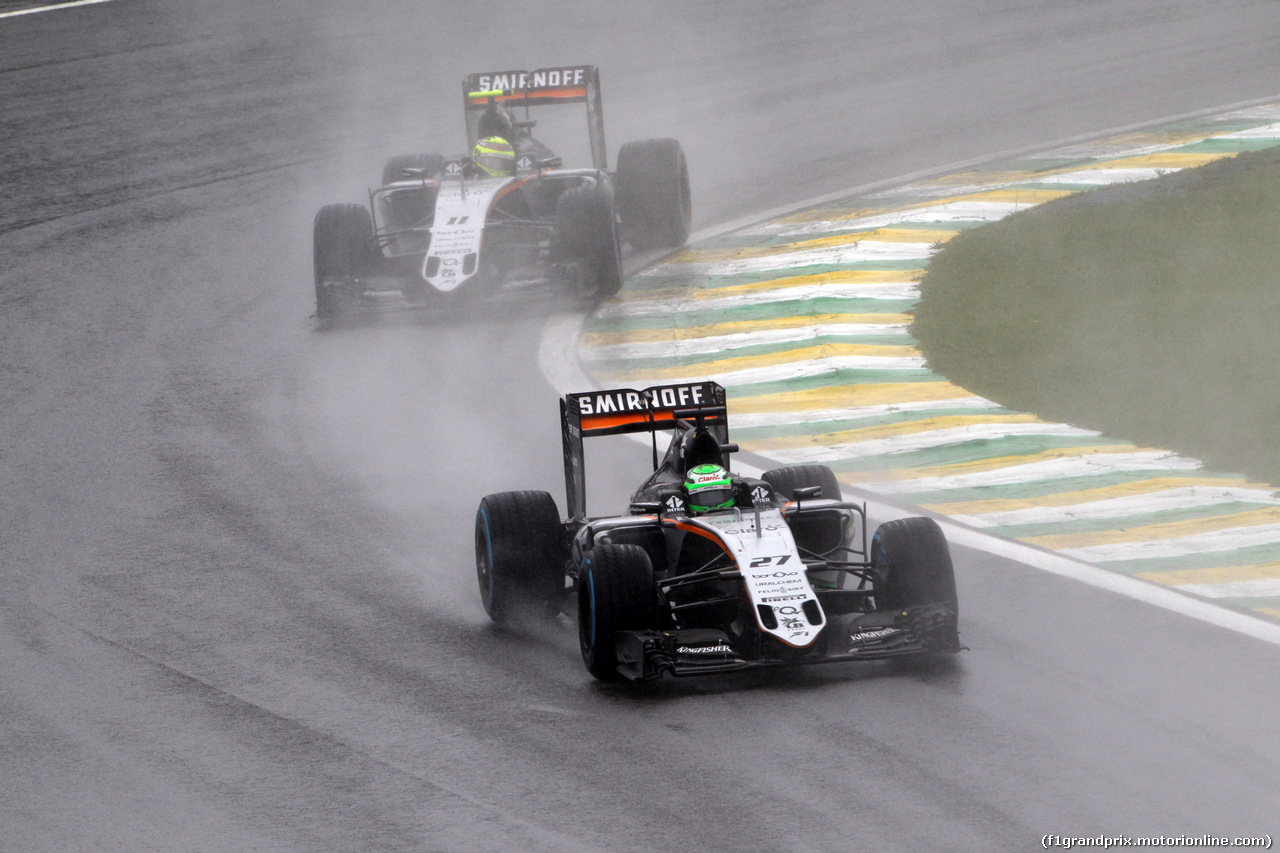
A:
(1149, 311)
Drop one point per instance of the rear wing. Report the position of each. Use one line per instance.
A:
(620, 411)
(576, 84)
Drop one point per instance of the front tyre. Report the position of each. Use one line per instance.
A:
(913, 561)
(786, 480)
(520, 552)
(912, 564)
(818, 533)
(588, 229)
(426, 165)
(343, 249)
(616, 592)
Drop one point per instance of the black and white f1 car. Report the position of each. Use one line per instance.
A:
(442, 231)
(710, 572)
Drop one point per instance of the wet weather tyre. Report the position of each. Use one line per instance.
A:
(520, 552)
(817, 533)
(343, 249)
(913, 562)
(616, 592)
(427, 164)
(588, 228)
(654, 201)
(785, 481)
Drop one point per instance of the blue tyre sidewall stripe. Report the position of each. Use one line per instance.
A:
(488, 541)
(591, 615)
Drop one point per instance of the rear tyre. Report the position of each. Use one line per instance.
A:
(588, 230)
(427, 164)
(653, 193)
(913, 561)
(520, 552)
(616, 592)
(342, 249)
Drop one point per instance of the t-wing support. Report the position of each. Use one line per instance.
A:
(625, 410)
(488, 90)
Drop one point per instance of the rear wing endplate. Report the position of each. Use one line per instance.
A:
(568, 85)
(620, 411)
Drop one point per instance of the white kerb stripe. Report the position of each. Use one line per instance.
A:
(676, 348)
(1271, 131)
(949, 213)
(52, 8)
(1106, 176)
(923, 441)
(1265, 588)
(710, 302)
(1084, 465)
(777, 372)
(852, 253)
(853, 413)
(1169, 499)
(1230, 539)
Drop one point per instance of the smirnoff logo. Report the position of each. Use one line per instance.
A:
(626, 400)
(543, 78)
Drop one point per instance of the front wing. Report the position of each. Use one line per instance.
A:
(922, 630)
(401, 288)
(383, 294)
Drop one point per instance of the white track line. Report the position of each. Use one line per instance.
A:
(52, 8)
(558, 358)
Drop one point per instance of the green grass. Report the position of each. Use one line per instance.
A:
(1148, 311)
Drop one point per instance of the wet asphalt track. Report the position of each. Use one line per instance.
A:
(237, 608)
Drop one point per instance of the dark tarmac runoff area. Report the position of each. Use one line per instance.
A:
(238, 607)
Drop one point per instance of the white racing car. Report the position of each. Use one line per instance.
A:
(442, 232)
(707, 571)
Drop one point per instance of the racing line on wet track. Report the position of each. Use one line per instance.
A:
(805, 317)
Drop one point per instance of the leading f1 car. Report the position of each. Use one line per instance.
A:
(507, 218)
(708, 571)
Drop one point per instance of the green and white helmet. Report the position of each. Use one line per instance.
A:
(708, 487)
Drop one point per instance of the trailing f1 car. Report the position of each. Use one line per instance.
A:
(707, 571)
(506, 218)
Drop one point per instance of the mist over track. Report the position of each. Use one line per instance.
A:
(237, 603)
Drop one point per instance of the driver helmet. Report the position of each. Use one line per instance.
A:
(495, 156)
(708, 488)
